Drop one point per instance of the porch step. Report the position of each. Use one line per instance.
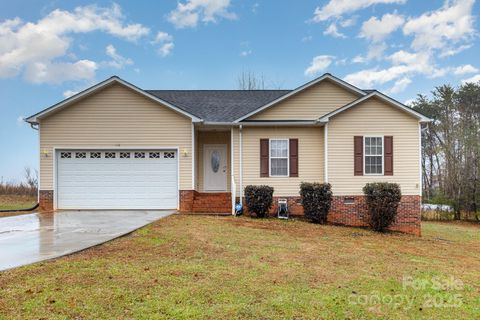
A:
(206, 202)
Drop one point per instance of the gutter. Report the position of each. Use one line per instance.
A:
(266, 123)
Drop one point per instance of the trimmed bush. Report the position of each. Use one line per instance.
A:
(316, 200)
(382, 200)
(259, 199)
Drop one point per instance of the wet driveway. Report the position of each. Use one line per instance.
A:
(35, 237)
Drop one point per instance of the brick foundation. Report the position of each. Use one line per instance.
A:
(352, 211)
(46, 200)
(186, 200)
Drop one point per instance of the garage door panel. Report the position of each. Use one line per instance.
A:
(116, 183)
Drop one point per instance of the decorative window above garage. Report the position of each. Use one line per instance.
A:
(110, 155)
(124, 155)
(169, 155)
(95, 155)
(80, 155)
(65, 155)
(139, 155)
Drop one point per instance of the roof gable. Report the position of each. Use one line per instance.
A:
(380, 96)
(302, 88)
(97, 88)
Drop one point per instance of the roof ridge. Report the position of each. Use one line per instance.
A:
(236, 90)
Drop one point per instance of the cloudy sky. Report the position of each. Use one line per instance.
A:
(50, 50)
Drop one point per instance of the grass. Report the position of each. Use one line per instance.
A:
(185, 267)
(16, 202)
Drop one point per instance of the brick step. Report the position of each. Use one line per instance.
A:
(212, 202)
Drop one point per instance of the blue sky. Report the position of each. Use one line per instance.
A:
(52, 49)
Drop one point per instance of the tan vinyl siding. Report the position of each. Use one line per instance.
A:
(309, 104)
(373, 117)
(115, 117)
(211, 137)
(310, 162)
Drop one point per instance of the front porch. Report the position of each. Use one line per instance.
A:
(212, 172)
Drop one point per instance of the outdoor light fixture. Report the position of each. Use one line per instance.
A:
(45, 153)
(185, 152)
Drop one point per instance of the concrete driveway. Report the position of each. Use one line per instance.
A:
(35, 237)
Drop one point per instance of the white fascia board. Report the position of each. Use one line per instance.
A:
(34, 118)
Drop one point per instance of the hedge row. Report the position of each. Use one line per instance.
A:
(382, 200)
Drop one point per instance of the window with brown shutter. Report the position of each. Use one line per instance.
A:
(358, 155)
(264, 150)
(293, 157)
(388, 155)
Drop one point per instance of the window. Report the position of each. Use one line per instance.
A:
(169, 155)
(109, 155)
(95, 155)
(373, 155)
(65, 155)
(124, 155)
(80, 155)
(139, 155)
(154, 155)
(279, 158)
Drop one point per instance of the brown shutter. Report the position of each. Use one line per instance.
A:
(293, 148)
(358, 155)
(388, 155)
(264, 150)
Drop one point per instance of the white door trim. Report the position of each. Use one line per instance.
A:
(214, 145)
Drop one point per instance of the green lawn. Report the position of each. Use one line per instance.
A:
(224, 268)
(12, 202)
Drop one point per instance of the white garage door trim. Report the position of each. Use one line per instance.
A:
(57, 149)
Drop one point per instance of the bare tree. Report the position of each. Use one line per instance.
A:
(31, 178)
(248, 80)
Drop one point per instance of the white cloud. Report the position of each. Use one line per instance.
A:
(318, 64)
(474, 79)
(453, 51)
(118, 61)
(409, 102)
(20, 120)
(165, 41)
(376, 30)
(56, 73)
(188, 14)
(333, 31)
(439, 29)
(465, 69)
(245, 53)
(349, 22)
(375, 51)
(69, 93)
(165, 49)
(29, 48)
(400, 85)
(336, 8)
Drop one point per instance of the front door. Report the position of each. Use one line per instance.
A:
(215, 167)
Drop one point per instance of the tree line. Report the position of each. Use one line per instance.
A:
(451, 147)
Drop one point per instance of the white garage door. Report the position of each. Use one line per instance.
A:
(120, 179)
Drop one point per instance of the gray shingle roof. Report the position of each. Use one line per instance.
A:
(218, 105)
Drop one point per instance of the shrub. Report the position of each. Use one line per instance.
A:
(382, 199)
(316, 200)
(259, 199)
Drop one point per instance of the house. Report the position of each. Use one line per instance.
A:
(116, 146)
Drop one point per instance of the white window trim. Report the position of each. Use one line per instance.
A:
(383, 155)
(270, 157)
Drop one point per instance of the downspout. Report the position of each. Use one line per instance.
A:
(325, 152)
(241, 162)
